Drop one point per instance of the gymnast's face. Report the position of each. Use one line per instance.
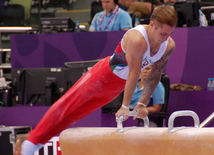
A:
(161, 32)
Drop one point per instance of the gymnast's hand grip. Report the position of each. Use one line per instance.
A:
(131, 113)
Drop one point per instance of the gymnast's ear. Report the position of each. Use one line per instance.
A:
(151, 23)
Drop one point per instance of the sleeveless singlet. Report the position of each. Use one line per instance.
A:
(118, 61)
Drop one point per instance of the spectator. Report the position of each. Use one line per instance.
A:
(112, 18)
(142, 9)
(139, 8)
(125, 4)
(157, 96)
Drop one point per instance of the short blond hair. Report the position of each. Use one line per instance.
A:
(165, 15)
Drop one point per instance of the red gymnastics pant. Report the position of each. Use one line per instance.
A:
(96, 88)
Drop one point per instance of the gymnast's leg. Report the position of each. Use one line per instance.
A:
(96, 88)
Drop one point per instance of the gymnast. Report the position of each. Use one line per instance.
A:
(140, 47)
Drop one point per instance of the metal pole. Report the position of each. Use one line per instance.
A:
(207, 120)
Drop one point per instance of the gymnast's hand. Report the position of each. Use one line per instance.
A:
(142, 111)
(123, 111)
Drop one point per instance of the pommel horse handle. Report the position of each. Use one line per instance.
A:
(131, 113)
(180, 113)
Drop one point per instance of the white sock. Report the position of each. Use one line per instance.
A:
(28, 148)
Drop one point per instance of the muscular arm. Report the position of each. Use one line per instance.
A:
(135, 49)
(135, 46)
(158, 99)
(153, 79)
(155, 75)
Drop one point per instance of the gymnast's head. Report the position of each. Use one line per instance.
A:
(162, 23)
(165, 15)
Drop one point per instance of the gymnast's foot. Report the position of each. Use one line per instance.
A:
(28, 148)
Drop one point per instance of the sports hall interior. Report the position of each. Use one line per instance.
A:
(28, 55)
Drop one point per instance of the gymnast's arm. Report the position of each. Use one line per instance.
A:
(135, 46)
(154, 77)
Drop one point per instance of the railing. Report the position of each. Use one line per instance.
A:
(15, 29)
